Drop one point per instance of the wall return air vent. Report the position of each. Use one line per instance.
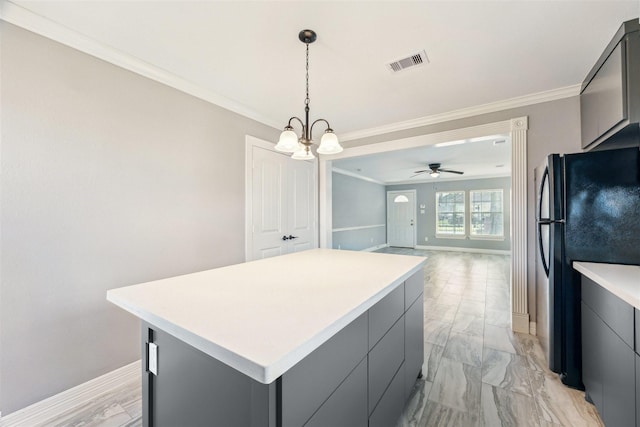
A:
(411, 61)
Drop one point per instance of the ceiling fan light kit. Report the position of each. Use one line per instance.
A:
(300, 146)
(435, 170)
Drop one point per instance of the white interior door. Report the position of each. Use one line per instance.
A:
(268, 204)
(401, 218)
(301, 205)
(282, 216)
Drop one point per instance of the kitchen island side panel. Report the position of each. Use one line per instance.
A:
(193, 389)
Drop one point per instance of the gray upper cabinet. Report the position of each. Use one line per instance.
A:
(610, 94)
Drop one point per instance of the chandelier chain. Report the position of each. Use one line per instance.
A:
(306, 101)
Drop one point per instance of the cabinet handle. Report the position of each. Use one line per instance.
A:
(285, 238)
(292, 237)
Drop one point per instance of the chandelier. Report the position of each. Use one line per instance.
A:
(300, 146)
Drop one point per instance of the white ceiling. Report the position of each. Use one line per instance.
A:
(477, 159)
(246, 56)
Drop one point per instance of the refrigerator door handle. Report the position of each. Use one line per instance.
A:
(545, 264)
(544, 180)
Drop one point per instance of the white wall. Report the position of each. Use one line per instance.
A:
(359, 213)
(108, 179)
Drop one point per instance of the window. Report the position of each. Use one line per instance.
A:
(450, 213)
(486, 213)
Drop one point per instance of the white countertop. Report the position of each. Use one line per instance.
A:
(621, 280)
(263, 317)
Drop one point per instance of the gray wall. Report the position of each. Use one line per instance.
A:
(108, 179)
(358, 203)
(554, 127)
(426, 223)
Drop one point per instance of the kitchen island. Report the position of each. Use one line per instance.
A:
(316, 338)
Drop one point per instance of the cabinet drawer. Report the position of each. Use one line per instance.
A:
(616, 313)
(391, 405)
(413, 287)
(312, 380)
(347, 406)
(619, 389)
(384, 314)
(384, 360)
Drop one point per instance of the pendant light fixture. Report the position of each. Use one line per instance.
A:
(300, 146)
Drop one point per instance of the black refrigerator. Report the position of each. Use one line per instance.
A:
(588, 210)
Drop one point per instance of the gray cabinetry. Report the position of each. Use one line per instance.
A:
(413, 343)
(347, 406)
(384, 361)
(390, 407)
(610, 94)
(619, 391)
(637, 390)
(307, 385)
(593, 355)
(609, 360)
(384, 314)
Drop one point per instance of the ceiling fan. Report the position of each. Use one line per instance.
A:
(434, 170)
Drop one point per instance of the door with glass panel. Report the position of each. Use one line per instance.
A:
(401, 218)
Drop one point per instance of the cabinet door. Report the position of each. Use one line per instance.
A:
(384, 360)
(619, 382)
(384, 315)
(637, 391)
(593, 330)
(311, 381)
(347, 406)
(413, 343)
(602, 102)
(390, 407)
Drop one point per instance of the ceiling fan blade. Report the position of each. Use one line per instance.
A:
(450, 171)
(422, 171)
(418, 173)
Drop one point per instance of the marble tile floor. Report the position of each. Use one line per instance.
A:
(477, 372)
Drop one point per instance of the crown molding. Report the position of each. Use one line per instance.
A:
(17, 15)
(24, 18)
(521, 101)
(355, 175)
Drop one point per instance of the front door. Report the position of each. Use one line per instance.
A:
(283, 204)
(401, 218)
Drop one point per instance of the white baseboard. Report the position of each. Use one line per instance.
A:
(533, 329)
(456, 249)
(520, 322)
(40, 412)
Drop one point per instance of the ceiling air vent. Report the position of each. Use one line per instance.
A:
(419, 58)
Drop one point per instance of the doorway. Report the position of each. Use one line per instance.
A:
(280, 202)
(401, 218)
(517, 129)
